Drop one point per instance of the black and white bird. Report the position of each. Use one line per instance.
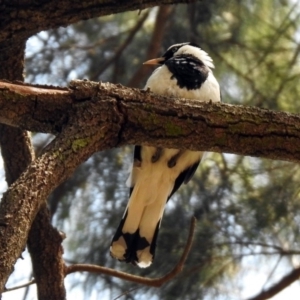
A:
(185, 72)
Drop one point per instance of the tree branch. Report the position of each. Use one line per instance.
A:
(58, 161)
(36, 16)
(154, 45)
(95, 116)
(156, 282)
(32, 281)
(16, 148)
(17, 153)
(118, 52)
(156, 120)
(44, 241)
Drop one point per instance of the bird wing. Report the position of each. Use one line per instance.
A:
(152, 184)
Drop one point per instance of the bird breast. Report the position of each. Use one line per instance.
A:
(163, 83)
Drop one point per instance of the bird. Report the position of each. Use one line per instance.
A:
(185, 71)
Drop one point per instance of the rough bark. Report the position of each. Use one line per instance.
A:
(15, 144)
(17, 153)
(156, 120)
(24, 198)
(53, 103)
(44, 245)
(16, 148)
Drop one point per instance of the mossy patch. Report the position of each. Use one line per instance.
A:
(173, 129)
(79, 144)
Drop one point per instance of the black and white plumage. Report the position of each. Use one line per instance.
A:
(185, 72)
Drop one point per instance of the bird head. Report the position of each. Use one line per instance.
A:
(182, 49)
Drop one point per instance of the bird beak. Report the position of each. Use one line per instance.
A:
(155, 61)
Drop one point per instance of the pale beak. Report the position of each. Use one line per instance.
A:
(154, 61)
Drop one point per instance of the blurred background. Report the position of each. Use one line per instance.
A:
(248, 209)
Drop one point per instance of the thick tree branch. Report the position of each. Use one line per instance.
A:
(21, 20)
(17, 153)
(44, 245)
(29, 107)
(25, 196)
(16, 148)
(155, 120)
(95, 116)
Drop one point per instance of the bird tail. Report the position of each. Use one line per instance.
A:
(135, 238)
